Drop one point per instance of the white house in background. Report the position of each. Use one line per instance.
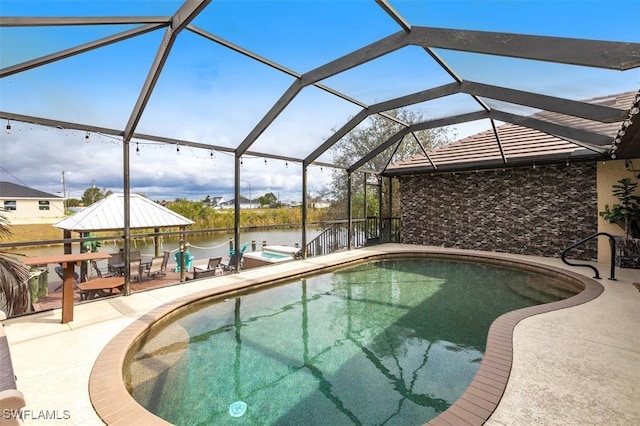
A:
(245, 203)
(23, 205)
(320, 204)
(215, 202)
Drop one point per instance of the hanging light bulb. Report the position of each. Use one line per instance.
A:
(86, 137)
(137, 149)
(211, 154)
(8, 128)
(265, 161)
(178, 148)
(241, 161)
(286, 164)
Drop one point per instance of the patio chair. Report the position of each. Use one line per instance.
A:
(114, 262)
(135, 270)
(242, 249)
(100, 272)
(229, 264)
(210, 270)
(165, 261)
(60, 273)
(187, 262)
(135, 255)
(156, 267)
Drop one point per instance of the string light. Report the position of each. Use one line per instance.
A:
(86, 137)
(137, 148)
(178, 148)
(8, 128)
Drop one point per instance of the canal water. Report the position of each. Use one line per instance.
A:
(200, 246)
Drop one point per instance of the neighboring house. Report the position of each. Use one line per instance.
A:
(215, 202)
(24, 205)
(525, 192)
(245, 203)
(319, 204)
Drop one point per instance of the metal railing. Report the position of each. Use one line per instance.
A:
(369, 231)
(612, 244)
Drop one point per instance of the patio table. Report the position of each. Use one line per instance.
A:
(67, 261)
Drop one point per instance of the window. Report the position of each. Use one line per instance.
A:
(43, 205)
(10, 205)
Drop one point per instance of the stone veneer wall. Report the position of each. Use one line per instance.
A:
(533, 211)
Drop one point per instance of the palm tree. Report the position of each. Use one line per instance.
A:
(14, 278)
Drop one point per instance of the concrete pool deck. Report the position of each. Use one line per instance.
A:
(579, 365)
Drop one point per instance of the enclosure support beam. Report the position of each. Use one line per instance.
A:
(349, 211)
(305, 200)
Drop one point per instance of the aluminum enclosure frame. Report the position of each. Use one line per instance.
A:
(590, 53)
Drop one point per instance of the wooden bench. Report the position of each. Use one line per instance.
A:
(11, 399)
(100, 287)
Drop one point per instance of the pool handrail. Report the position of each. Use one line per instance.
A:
(612, 244)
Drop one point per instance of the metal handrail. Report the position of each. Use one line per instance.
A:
(612, 244)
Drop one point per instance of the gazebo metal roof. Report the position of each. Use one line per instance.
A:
(108, 214)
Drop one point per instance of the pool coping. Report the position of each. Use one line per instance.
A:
(114, 405)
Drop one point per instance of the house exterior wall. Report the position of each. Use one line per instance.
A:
(28, 210)
(609, 173)
(533, 211)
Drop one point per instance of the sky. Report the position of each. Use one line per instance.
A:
(210, 94)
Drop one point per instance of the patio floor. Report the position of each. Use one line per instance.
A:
(573, 366)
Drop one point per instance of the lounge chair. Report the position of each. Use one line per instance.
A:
(187, 263)
(210, 270)
(229, 264)
(156, 267)
(11, 399)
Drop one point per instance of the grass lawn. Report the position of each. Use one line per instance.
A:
(35, 232)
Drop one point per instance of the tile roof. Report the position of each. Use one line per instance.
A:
(12, 190)
(520, 145)
(108, 214)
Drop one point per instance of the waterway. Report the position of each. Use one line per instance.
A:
(200, 246)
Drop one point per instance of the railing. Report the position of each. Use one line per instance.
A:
(365, 232)
(612, 244)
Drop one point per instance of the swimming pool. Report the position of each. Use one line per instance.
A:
(391, 341)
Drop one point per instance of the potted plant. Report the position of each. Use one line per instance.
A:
(626, 214)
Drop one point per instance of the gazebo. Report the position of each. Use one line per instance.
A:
(108, 215)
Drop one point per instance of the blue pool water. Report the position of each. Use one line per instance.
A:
(389, 342)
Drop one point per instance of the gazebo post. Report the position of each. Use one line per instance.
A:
(66, 234)
(156, 242)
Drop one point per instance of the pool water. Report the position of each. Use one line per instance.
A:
(389, 342)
